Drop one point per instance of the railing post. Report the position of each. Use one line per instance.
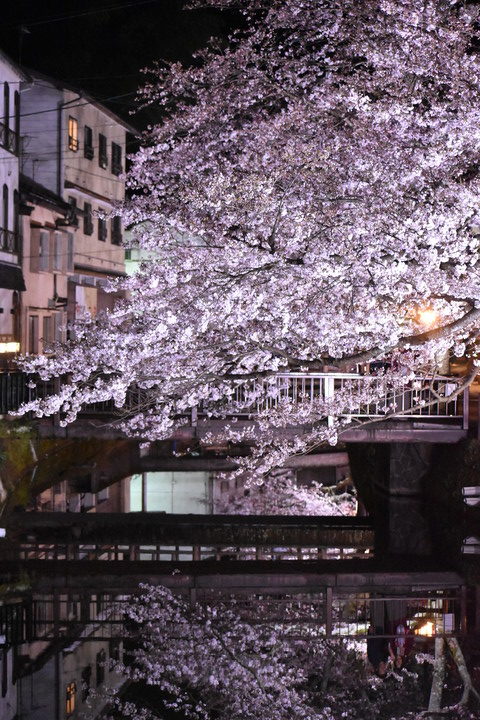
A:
(466, 395)
(329, 391)
(329, 612)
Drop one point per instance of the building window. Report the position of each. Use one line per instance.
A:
(88, 143)
(44, 251)
(87, 219)
(6, 108)
(116, 230)
(57, 327)
(100, 667)
(72, 215)
(116, 159)
(70, 697)
(16, 214)
(114, 650)
(47, 332)
(5, 207)
(57, 251)
(33, 334)
(102, 229)
(72, 134)
(86, 681)
(102, 151)
(16, 105)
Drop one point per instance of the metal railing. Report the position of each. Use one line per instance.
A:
(322, 614)
(183, 553)
(358, 396)
(355, 396)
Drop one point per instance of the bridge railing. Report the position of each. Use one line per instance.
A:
(185, 552)
(331, 614)
(425, 397)
(356, 396)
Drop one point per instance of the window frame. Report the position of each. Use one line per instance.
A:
(102, 151)
(72, 133)
(116, 165)
(70, 698)
(116, 230)
(88, 151)
(102, 230)
(87, 219)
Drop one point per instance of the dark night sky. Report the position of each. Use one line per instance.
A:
(100, 45)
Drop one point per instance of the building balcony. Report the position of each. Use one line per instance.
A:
(8, 240)
(9, 139)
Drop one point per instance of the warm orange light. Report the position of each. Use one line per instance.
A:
(428, 317)
(426, 629)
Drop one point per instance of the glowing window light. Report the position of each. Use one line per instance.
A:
(426, 630)
(9, 347)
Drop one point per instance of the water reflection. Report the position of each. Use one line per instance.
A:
(59, 646)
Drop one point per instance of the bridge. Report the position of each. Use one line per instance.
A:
(178, 538)
(420, 412)
(80, 570)
(335, 604)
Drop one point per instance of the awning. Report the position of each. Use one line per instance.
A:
(11, 277)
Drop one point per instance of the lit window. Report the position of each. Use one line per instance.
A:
(70, 697)
(72, 134)
(9, 347)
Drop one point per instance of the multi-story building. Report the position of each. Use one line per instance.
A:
(48, 225)
(11, 280)
(74, 147)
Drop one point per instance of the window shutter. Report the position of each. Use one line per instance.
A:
(34, 249)
(44, 254)
(57, 251)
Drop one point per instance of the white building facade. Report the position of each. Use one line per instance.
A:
(11, 280)
(75, 148)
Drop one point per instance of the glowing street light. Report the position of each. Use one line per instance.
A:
(428, 317)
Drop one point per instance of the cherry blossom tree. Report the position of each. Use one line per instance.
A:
(282, 495)
(311, 188)
(208, 662)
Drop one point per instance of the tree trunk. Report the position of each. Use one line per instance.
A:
(435, 702)
(459, 659)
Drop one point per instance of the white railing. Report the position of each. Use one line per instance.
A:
(359, 395)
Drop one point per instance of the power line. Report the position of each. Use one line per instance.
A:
(87, 102)
(99, 11)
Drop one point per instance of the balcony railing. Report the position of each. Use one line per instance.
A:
(8, 240)
(9, 139)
